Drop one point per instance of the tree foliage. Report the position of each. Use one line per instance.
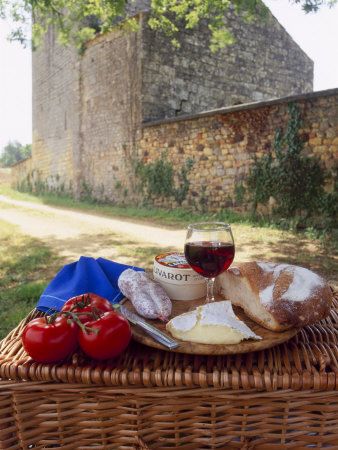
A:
(14, 152)
(78, 21)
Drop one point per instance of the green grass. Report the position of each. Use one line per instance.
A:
(25, 265)
(172, 217)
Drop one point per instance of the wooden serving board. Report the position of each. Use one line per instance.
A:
(270, 338)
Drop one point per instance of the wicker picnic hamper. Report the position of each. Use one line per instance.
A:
(282, 397)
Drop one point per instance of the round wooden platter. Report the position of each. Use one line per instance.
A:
(270, 338)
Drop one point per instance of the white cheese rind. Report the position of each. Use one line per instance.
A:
(186, 321)
(221, 313)
(212, 323)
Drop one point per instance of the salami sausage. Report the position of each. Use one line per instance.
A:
(147, 296)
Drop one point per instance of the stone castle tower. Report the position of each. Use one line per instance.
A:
(88, 109)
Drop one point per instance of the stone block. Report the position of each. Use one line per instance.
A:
(333, 149)
(227, 164)
(315, 141)
(207, 151)
(320, 149)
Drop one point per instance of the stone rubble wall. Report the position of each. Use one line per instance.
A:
(110, 111)
(86, 115)
(93, 113)
(263, 63)
(56, 141)
(223, 144)
(20, 170)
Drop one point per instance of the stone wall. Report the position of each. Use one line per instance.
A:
(56, 84)
(20, 170)
(223, 143)
(263, 63)
(110, 111)
(86, 113)
(88, 109)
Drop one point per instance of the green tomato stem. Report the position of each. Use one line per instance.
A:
(74, 317)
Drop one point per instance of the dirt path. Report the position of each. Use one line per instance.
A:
(73, 234)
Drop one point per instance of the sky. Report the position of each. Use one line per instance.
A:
(316, 34)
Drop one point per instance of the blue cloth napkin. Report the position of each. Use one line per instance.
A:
(98, 276)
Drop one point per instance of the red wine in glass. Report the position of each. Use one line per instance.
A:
(209, 259)
(209, 249)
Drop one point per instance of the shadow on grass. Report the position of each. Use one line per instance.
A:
(110, 247)
(292, 249)
(302, 253)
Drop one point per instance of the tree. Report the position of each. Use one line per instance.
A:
(14, 152)
(78, 21)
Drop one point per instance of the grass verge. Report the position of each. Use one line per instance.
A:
(162, 216)
(25, 265)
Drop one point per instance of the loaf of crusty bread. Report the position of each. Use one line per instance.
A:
(277, 296)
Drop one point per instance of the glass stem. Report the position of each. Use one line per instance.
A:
(210, 290)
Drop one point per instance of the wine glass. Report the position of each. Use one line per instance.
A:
(209, 249)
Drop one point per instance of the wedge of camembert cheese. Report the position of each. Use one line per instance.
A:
(212, 323)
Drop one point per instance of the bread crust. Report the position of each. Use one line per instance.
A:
(292, 296)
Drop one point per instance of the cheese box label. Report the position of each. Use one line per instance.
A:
(171, 275)
(173, 259)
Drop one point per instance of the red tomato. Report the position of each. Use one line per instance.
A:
(50, 342)
(85, 303)
(112, 338)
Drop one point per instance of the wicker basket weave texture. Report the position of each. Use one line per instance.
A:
(73, 416)
(283, 397)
